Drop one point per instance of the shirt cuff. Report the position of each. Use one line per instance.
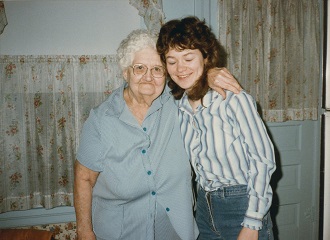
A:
(252, 223)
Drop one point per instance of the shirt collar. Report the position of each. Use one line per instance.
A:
(208, 99)
(116, 107)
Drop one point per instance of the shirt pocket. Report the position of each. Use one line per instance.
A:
(107, 220)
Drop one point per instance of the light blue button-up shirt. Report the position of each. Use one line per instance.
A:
(228, 145)
(144, 189)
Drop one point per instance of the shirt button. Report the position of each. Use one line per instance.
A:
(144, 151)
(167, 209)
(149, 172)
(153, 193)
(145, 129)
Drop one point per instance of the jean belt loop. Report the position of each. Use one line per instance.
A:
(222, 192)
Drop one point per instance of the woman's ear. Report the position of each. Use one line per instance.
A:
(205, 60)
(125, 74)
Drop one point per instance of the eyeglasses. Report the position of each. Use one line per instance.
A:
(141, 70)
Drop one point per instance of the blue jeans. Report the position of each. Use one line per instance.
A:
(219, 214)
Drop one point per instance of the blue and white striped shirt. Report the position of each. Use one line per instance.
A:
(228, 145)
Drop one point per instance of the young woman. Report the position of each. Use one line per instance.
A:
(226, 140)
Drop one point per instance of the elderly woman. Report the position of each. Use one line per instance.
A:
(132, 174)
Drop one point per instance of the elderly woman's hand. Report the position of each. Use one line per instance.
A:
(87, 235)
(221, 79)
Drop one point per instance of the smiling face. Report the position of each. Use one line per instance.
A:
(185, 67)
(145, 85)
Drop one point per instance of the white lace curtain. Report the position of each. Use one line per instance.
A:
(274, 52)
(44, 102)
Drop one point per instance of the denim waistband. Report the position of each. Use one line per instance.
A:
(227, 191)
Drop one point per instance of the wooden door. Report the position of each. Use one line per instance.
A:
(296, 180)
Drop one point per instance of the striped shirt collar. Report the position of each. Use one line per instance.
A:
(208, 99)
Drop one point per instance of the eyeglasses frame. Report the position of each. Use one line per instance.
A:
(140, 64)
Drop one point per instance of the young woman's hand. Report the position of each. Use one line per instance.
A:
(248, 234)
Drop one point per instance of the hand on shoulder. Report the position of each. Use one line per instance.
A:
(220, 79)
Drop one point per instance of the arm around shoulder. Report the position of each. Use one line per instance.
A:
(220, 79)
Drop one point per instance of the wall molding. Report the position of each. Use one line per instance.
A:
(38, 216)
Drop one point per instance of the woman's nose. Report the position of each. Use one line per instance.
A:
(180, 67)
(148, 75)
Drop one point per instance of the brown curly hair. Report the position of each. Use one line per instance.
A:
(191, 33)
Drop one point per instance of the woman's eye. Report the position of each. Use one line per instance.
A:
(158, 69)
(170, 63)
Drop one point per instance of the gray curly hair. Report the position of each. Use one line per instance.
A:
(137, 40)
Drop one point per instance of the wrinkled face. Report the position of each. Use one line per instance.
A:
(185, 67)
(145, 84)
